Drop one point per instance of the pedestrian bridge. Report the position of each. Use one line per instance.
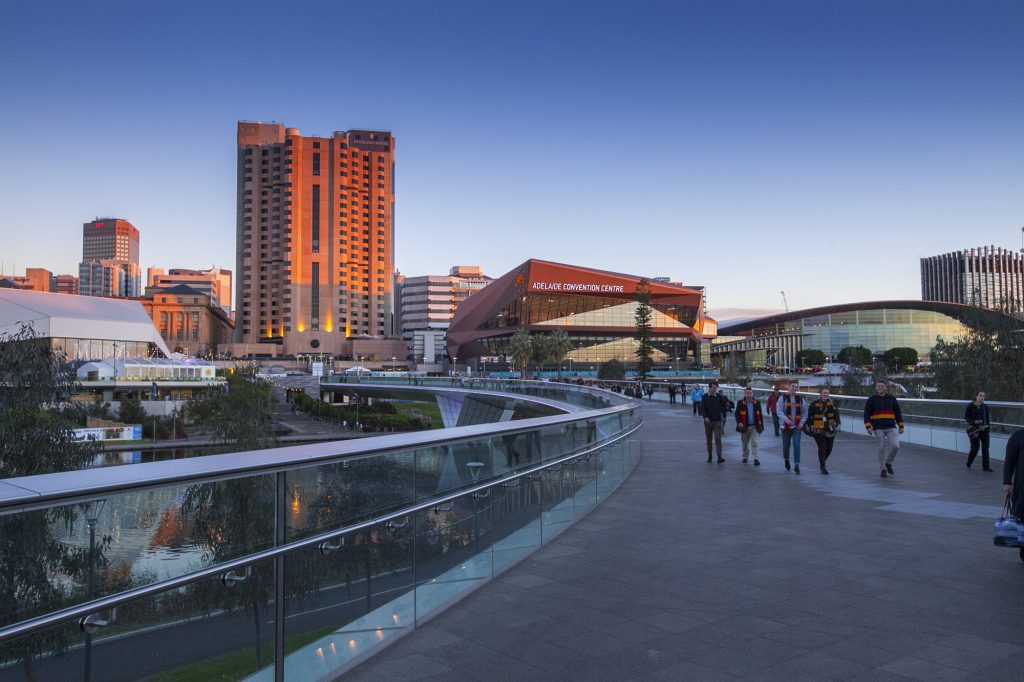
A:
(576, 546)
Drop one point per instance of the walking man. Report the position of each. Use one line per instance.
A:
(825, 423)
(792, 415)
(750, 423)
(713, 407)
(671, 393)
(882, 418)
(978, 426)
(773, 410)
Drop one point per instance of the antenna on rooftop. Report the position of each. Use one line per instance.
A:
(1022, 239)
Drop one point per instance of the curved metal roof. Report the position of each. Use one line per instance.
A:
(957, 311)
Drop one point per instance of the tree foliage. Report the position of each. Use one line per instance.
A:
(611, 370)
(897, 358)
(520, 349)
(642, 318)
(240, 415)
(857, 356)
(808, 357)
(988, 355)
(36, 438)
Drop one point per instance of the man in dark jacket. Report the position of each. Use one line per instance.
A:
(750, 424)
(1013, 472)
(882, 418)
(978, 426)
(714, 408)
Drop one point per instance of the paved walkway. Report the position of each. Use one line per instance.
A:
(696, 571)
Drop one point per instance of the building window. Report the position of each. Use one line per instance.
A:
(316, 163)
(316, 219)
(314, 322)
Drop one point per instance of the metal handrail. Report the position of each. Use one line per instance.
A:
(85, 609)
(32, 492)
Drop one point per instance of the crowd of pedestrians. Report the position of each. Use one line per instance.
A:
(793, 416)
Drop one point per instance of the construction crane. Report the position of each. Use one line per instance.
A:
(784, 300)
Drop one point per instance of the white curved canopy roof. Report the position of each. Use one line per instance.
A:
(80, 317)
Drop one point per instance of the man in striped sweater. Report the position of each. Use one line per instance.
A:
(882, 418)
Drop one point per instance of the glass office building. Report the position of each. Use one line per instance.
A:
(596, 308)
(878, 326)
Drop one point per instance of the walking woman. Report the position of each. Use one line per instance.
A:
(823, 418)
(978, 424)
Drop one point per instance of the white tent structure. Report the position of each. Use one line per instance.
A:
(84, 327)
(358, 370)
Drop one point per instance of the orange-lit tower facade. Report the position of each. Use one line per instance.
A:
(315, 238)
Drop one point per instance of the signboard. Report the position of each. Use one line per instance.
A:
(317, 369)
(578, 288)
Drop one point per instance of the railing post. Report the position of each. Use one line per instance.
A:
(279, 539)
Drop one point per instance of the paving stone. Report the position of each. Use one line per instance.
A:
(707, 572)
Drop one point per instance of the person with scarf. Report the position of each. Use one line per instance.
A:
(979, 423)
(823, 418)
(883, 419)
(773, 401)
(792, 415)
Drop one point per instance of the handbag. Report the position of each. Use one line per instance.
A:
(1009, 530)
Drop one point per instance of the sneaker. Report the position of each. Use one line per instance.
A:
(744, 460)
(888, 467)
(883, 473)
(709, 459)
(757, 462)
(824, 471)
(796, 470)
(721, 459)
(787, 465)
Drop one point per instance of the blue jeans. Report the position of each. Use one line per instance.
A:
(791, 436)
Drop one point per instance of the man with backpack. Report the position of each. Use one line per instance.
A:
(714, 407)
(792, 411)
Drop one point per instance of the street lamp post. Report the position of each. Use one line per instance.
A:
(92, 514)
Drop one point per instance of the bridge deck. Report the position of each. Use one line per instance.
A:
(705, 571)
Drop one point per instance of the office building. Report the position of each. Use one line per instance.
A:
(429, 302)
(66, 284)
(110, 259)
(595, 308)
(109, 278)
(315, 239)
(215, 282)
(41, 279)
(987, 276)
(110, 239)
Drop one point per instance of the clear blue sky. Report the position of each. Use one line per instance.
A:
(819, 147)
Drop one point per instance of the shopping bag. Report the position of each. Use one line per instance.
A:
(1009, 530)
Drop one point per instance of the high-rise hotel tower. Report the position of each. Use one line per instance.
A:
(315, 238)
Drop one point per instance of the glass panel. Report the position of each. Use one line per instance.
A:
(453, 550)
(229, 631)
(557, 493)
(326, 497)
(516, 512)
(135, 539)
(346, 597)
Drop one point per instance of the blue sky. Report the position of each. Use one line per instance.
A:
(818, 147)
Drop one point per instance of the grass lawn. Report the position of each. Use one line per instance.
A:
(237, 664)
(427, 410)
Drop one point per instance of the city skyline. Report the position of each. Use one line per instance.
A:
(833, 145)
